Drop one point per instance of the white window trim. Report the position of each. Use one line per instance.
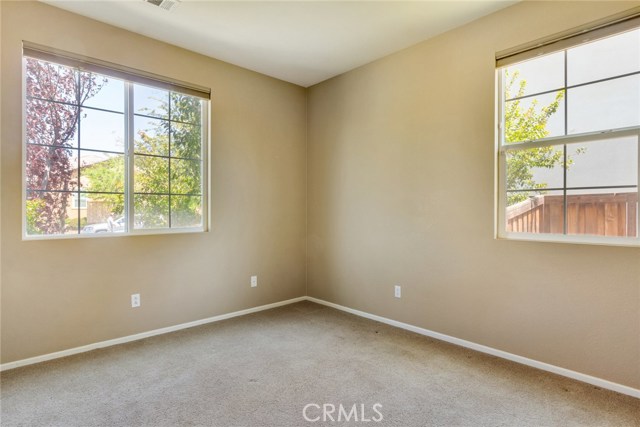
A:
(500, 178)
(129, 156)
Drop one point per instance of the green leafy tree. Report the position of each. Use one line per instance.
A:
(33, 209)
(525, 124)
(107, 176)
(179, 138)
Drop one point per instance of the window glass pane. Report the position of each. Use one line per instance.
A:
(102, 172)
(535, 168)
(46, 80)
(109, 93)
(49, 168)
(51, 123)
(149, 101)
(604, 58)
(534, 118)
(610, 162)
(606, 105)
(151, 174)
(185, 108)
(49, 213)
(151, 136)
(534, 76)
(535, 212)
(186, 211)
(100, 130)
(151, 211)
(186, 141)
(104, 214)
(185, 176)
(612, 212)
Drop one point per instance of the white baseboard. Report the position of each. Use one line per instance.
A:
(142, 335)
(599, 382)
(630, 391)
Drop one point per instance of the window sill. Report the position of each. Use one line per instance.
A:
(571, 239)
(152, 232)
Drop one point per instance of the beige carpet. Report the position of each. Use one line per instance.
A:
(263, 369)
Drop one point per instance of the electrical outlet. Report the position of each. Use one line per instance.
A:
(397, 291)
(254, 281)
(135, 300)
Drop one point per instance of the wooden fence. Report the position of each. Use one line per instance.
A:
(593, 214)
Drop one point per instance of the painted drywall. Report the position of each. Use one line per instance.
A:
(60, 294)
(401, 191)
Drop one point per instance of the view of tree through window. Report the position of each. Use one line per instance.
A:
(570, 127)
(78, 149)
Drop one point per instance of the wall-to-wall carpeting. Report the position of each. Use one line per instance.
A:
(263, 369)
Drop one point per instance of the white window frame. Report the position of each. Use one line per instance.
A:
(121, 72)
(559, 141)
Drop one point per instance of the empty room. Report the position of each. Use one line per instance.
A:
(313, 213)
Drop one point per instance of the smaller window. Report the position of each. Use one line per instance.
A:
(569, 131)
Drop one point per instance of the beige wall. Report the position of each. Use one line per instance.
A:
(66, 293)
(401, 191)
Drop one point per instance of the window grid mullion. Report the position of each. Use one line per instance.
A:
(571, 139)
(73, 191)
(169, 177)
(92, 150)
(162, 118)
(598, 187)
(159, 156)
(204, 167)
(637, 186)
(78, 124)
(565, 225)
(130, 157)
(70, 104)
(577, 85)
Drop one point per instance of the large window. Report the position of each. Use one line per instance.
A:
(569, 129)
(107, 152)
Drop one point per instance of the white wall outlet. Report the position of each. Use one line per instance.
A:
(135, 300)
(254, 281)
(397, 291)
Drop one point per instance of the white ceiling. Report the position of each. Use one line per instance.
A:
(302, 42)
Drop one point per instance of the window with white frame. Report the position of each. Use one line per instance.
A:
(569, 130)
(110, 151)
